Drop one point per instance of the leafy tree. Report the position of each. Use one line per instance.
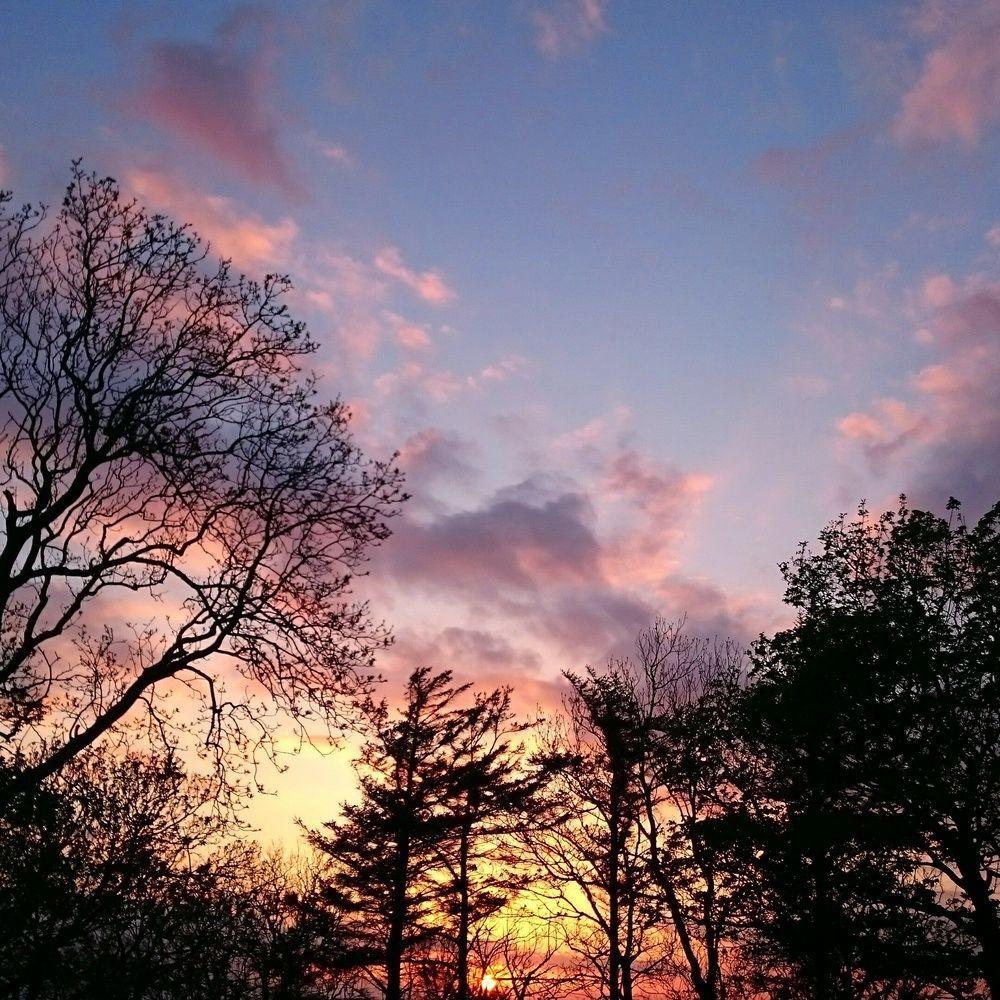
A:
(873, 728)
(158, 440)
(90, 861)
(120, 877)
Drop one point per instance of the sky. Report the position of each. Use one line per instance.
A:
(643, 293)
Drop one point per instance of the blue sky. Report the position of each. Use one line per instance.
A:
(643, 292)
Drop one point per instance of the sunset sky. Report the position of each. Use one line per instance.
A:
(643, 292)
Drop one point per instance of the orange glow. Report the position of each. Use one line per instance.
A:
(489, 984)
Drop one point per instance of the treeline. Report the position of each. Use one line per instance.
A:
(814, 816)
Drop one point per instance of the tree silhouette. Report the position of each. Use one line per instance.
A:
(426, 856)
(681, 689)
(872, 725)
(496, 796)
(591, 862)
(159, 441)
(384, 849)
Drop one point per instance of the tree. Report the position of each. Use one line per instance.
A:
(874, 728)
(651, 733)
(444, 786)
(680, 689)
(159, 442)
(384, 849)
(495, 796)
(592, 868)
(90, 864)
(524, 955)
(120, 877)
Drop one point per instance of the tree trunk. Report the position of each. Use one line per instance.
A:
(397, 925)
(986, 920)
(614, 895)
(705, 988)
(821, 971)
(463, 913)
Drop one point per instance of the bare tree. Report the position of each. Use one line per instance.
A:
(591, 865)
(681, 687)
(525, 956)
(172, 496)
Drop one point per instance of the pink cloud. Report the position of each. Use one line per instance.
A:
(574, 567)
(803, 166)
(888, 428)
(569, 26)
(820, 177)
(432, 455)
(338, 154)
(944, 437)
(217, 96)
(659, 505)
(242, 236)
(442, 385)
(525, 536)
(957, 95)
(350, 293)
(411, 336)
(427, 285)
(484, 656)
(504, 368)
(938, 291)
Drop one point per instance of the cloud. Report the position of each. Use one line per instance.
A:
(410, 336)
(957, 94)
(820, 177)
(441, 385)
(944, 438)
(504, 368)
(529, 561)
(482, 655)
(242, 236)
(433, 455)
(569, 26)
(429, 286)
(524, 537)
(339, 155)
(217, 96)
(576, 568)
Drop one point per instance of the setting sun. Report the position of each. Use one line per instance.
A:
(489, 984)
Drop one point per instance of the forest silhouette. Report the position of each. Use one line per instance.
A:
(813, 815)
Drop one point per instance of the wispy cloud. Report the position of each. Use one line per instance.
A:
(427, 285)
(957, 94)
(566, 27)
(442, 384)
(339, 155)
(218, 96)
(942, 436)
(240, 235)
